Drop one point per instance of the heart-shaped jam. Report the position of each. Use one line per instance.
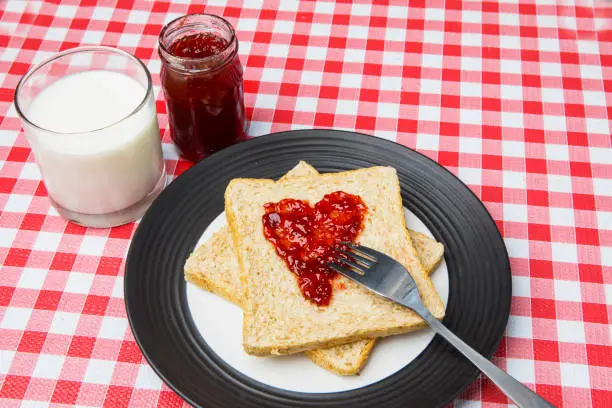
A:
(307, 238)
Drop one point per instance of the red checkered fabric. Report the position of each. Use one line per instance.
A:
(513, 97)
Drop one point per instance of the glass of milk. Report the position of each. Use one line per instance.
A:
(89, 116)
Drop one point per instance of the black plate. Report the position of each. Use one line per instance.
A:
(155, 295)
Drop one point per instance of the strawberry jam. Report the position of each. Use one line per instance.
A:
(307, 238)
(201, 76)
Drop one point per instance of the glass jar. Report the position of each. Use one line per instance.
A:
(201, 76)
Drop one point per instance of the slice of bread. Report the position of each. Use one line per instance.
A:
(213, 266)
(278, 320)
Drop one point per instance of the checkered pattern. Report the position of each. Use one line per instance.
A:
(512, 97)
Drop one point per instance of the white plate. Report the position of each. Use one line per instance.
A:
(220, 324)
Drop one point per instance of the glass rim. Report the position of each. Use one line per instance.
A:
(233, 38)
(77, 50)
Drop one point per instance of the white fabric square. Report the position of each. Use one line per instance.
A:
(594, 98)
(470, 116)
(548, 44)
(510, 67)
(512, 42)
(567, 290)
(432, 61)
(514, 179)
(18, 203)
(113, 328)
(471, 64)
(138, 16)
(515, 212)
(388, 83)
(513, 148)
(397, 11)
(64, 323)
(323, 30)
(56, 33)
(361, 10)
(512, 119)
(47, 241)
(520, 327)
(30, 171)
(554, 123)
(271, 75)
(312, 78)
(7, 138)
(570, 331)
(471, 39)
(79, 282)
(551, 69)
(544, 20)
(118, 288)
(16, 318)
(92, 245)
(470, 89)
(470, 175)
(32, 278)
(388, 110)
(595, 125)
(346, 107)
(278, 50)
(561, 216)
(433, 13)
(433, 37)
(65, 11)
(147, 378)
(315, 53)
(559, 184)
(354, 55)
(7, 236)
(606, 255)
(427, 142)
(590, 72)
(429, 113)
(600, 155)
(557, 152)
(521, 286)
(395, 34)
(282, 27)
(517, 248)
(359, 32)
(522, 370)
(563, 252)
(323, 7)
(470, 145)
(247, 24)
(304, 104)
(102, 13)
(393, 58)
(350, 80)
(386, 134)
(266, 101)
(49, 366)
(99, 371)
(575, 375)
(257, 128)
(552, 95)
(6, 358)
(470, 16)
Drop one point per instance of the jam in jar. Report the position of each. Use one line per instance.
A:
(201, 76)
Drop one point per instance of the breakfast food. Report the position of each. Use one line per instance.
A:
(278, 319)
(213, 266)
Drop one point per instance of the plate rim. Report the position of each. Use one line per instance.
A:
(314, 133)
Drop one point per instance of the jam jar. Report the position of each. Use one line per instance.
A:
(201, 76)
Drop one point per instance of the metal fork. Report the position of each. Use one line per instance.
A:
(388, 278)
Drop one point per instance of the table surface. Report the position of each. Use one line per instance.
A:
(514, 98)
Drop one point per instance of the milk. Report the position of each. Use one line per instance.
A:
(101, 160)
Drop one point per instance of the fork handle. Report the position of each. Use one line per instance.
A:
(517, 392)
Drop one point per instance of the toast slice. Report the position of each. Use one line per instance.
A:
(278, 320)
(213, 266)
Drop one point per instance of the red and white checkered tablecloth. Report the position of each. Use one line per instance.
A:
(513, 97)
